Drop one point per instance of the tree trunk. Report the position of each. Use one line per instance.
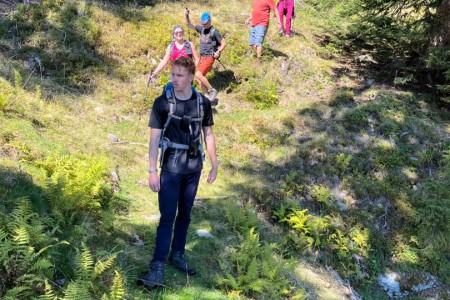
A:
(441, 37)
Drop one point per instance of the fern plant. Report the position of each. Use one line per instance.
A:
(75, 182)
(88, 275)
(321, 194)
(24, 256)
(254, 271)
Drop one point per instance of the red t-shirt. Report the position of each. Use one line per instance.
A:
(261, 12)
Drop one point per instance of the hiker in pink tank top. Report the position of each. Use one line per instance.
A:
(178, 48)
(179, 52)
(285, 8)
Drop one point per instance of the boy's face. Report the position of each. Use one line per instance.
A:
(181, 78)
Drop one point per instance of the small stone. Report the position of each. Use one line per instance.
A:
(138, 242)
(60, 282)
(98, 109)
(153, 218)
(204, 233)
(113, 138)
(342, 206)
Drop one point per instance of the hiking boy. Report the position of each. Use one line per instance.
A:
(176, 124)
(211, 46)
(260, 22)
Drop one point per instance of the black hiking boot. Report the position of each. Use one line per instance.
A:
(177, 260)
(154, 278)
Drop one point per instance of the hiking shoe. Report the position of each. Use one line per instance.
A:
(177, 260)
(214, 102)
(155, 277)
(287, 35)
(212, 94)
(281, 32)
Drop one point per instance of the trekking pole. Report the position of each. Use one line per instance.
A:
(186, 14)
(300, 4)
(233, 77)
(144, 99)
(222, 64)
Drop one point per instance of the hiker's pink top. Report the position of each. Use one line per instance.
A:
(176, 53)
(261, 12)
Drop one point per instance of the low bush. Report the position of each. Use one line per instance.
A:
(75, 182)
(263, 94)
(342, 97)
(253, 270)
(356, 119)
(25, 241)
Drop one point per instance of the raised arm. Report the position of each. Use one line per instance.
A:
(188, 20)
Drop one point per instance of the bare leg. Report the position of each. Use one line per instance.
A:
(203, 82)
(258, 51)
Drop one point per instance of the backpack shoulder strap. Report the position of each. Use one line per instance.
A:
(188, 47)
(171, 47)
(171, 99)
(201, 112)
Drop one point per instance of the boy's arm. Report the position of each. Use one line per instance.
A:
(211, 148)
(153, 179)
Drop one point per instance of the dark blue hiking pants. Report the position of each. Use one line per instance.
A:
(177, 192)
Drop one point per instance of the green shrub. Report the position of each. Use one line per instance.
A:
(292, 185)
(75, 183)
(433, 209)
(241, 219)
(253, 270)
(6, 93)
(310, 232)
(438, 60)
(90, 276)
(321, 194)
(25, 260)
(263, 94)
(342, 161)
(356, 119)
(342, 97)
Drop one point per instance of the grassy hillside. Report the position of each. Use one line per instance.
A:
(329, 176)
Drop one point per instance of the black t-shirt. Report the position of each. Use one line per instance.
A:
(177, 160)
(208, 43)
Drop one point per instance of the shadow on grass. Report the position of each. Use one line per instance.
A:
(394, 144)
(16, 185)
(224, 80)
(65, 57)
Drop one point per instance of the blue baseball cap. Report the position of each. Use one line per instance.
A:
(205, 18)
